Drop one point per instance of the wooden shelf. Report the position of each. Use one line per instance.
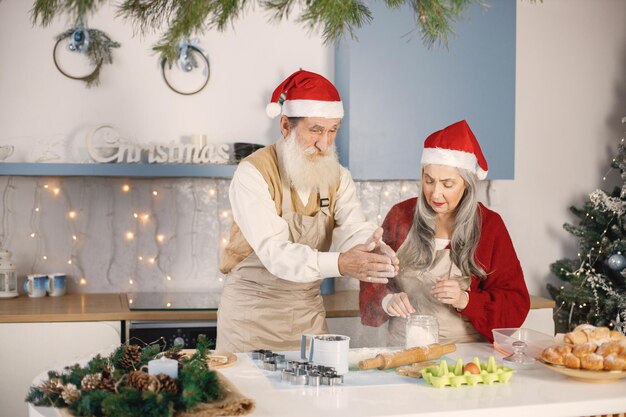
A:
(117, 170)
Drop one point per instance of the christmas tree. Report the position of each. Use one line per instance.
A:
(594, 288)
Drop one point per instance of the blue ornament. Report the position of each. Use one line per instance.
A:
(617, 262)
(79, 35)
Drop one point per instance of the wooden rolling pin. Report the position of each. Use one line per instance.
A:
(407, 356)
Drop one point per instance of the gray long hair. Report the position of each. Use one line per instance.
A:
(418, 251)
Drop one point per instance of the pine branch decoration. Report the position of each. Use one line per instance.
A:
(104, 388)
(335, 19)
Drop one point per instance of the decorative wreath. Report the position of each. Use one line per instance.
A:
(119, 386)
(189, 57)
(95, 43)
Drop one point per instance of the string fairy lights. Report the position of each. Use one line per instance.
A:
(144, 234)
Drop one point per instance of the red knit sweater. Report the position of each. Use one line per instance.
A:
(501, 300)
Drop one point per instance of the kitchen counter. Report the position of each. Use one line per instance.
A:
(534, 390)
(114, 306)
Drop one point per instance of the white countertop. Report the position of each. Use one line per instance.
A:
(532, 391)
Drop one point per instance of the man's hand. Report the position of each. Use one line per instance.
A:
(383, 249)
(399, 305)
(361, 263)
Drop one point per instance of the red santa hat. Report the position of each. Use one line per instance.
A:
(305, 94)
(455, 146)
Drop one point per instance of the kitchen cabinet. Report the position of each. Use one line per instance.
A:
(396, 91)
(27, 348)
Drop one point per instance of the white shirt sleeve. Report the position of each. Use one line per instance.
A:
(254, 211)
(351, 225)
(385, 302)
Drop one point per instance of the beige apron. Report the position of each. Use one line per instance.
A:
(453, 327)
(258, 310)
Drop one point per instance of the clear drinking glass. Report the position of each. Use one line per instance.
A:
(421, 330)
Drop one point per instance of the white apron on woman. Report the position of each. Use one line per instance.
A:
(453, 327)
(258, 310)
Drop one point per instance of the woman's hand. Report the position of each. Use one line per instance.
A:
(448, 291)
(400, 306)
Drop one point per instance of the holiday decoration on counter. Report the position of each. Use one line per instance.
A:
(595, 283)
(472, 373)
(93, 43)
(181, 18)
(8, 275)
(120, 386)
(105, 145)
(190, 71)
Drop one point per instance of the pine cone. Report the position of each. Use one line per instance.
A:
(52, 386)
(167, 383)
(174, 353)
(91, 382)
(107, 384)
(143, 381)
(131, 356)
(70, 393)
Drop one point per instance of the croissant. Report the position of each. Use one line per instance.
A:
(591, 348)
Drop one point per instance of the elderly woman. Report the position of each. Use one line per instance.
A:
(457, 261)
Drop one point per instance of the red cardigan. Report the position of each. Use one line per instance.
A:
(501, 300)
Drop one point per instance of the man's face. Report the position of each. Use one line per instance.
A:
(314, 135)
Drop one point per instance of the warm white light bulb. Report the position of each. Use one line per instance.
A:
(69, 261)
(36, 208)
(169, 278)
(126, 188)
(71, 214)
(130, 281)
(224, 241)
(74, 237)
(211, 192)
(386, 193)
(44, 257)
(56, 191)
(32, 235)
(83, 281)
(168, 305)
(46, 186)
(140, 258)
(135, 215)
(225, 213)
(404, 188)
(151, 260)
(130, 235)
(130, 301)
(155, 193)
(145, 217)
(160, 238)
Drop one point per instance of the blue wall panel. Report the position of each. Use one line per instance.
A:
(397, 91)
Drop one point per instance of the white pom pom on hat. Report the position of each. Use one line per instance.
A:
(272, 110)
(456, 146)
(305, 94)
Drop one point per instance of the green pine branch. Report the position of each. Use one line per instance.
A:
(334, 19)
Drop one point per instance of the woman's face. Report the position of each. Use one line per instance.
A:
(442, 187)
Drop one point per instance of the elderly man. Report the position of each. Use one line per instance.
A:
(291, 201)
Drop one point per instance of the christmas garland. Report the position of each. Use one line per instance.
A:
(119, 386)
(334, 19)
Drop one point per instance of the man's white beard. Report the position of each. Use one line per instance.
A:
(302, 171)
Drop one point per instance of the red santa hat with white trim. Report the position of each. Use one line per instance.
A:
(305, 94)
(455, 146)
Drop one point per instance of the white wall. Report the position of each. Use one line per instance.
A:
(571, 95)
